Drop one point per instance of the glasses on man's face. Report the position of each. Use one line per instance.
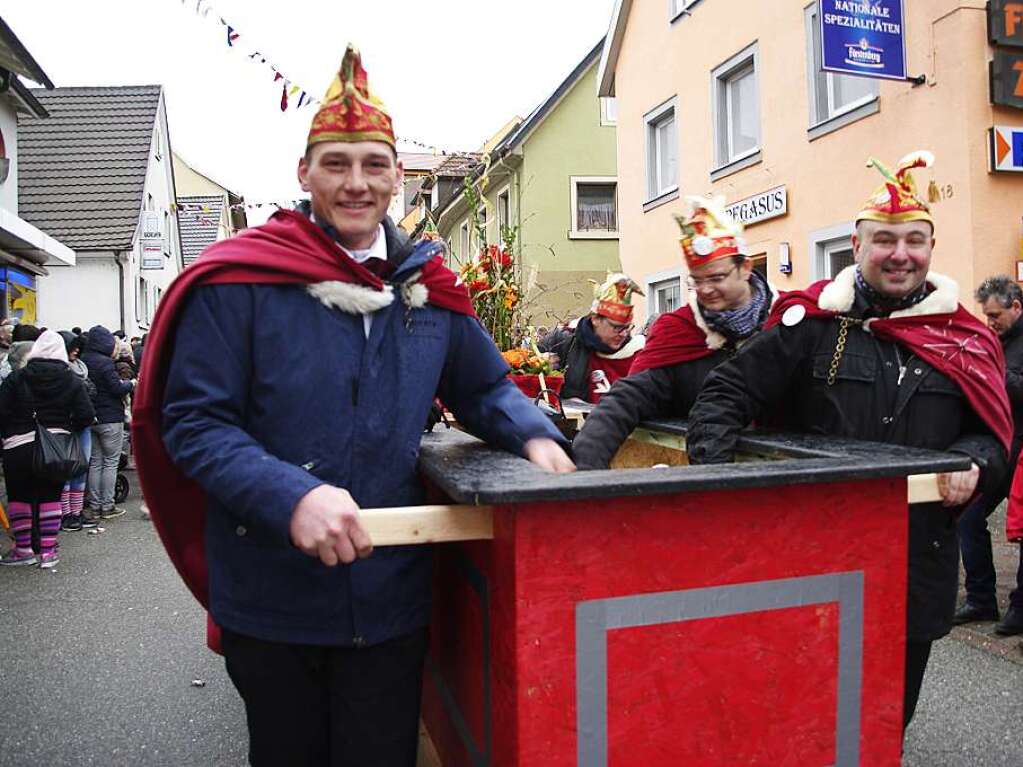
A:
(616, 327)
(714, 281)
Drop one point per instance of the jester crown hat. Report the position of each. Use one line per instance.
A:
(349, 111)
(896, 200)
(613, 298)
(709, 232)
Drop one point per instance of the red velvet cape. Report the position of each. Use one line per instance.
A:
(957, 344)
(288, 249)
(674, 337)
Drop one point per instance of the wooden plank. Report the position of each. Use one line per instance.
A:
(923, 488)
(428, 524)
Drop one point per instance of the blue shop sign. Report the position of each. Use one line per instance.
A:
(863, 37)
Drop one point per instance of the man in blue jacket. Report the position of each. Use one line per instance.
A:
(290, 427)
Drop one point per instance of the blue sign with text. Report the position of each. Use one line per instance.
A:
(863, 37)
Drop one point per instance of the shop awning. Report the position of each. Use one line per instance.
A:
(30, 246)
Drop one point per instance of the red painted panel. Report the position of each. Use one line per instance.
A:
(672, 680)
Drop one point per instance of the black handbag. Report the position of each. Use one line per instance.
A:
(57, 457)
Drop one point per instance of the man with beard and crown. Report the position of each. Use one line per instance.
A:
(598, 349)
(287, 378)
(884, 352)
(728, 304)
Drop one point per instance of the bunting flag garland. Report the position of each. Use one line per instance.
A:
(204, 9)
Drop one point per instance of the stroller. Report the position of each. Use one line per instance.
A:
(121, 484)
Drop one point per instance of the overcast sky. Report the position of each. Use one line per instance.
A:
(450, 71)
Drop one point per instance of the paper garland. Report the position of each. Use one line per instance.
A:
(205, 10)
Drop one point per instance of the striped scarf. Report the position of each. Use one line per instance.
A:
(739, 324)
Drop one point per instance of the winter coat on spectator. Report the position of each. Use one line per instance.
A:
(110, 389)
(52, 391)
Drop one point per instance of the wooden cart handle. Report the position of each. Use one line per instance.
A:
(428, 524)
(439, 524)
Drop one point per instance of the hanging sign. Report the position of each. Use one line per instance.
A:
(1007, 149)
(151, 240)
(1005, 22)
(863, 37)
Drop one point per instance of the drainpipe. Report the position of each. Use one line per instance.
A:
(120, 292)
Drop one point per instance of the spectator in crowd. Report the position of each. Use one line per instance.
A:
(598, 349)
(124, 361)
(108, 431)
(1001, 300)
(6, 339)
(25, 333)
(48, 393)
(23, 337)
(72, 499)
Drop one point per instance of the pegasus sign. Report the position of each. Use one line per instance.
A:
(863, 37)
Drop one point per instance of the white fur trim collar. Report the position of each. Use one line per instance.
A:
(716, 340)
(351, 298)
(839, 294)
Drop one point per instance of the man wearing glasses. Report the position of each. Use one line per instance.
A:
(600, 348)
(728, 303)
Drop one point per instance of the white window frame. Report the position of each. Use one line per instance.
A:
(831, 119)
(659, 280)
(576, 234)
(660, 191)
(503, 219)
(677, 8)
(464, 241)
(727, 161)
(823, 243)
(606, 116)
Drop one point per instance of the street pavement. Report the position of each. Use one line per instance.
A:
(103, 662)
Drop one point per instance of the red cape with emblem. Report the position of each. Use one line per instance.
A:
(288, 249)
(956, 343)
(674, 337)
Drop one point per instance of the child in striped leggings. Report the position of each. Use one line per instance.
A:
(33, 509)
(72, 499)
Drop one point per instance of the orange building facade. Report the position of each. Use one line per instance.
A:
(726, 97)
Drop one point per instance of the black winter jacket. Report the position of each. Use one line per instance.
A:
(52, 391)
(110, 389)
(654, 393)
(783, 372)
(573, 358)
(1012, 345)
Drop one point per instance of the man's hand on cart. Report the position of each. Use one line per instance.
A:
(548, 455)
(326, 524)
(957, 487)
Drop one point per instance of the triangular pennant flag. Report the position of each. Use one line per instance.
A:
(294, 89)
(231, 36)
(300, 100)
(284, 98)
(277, 76)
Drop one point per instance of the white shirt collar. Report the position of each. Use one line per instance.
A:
(377, 250)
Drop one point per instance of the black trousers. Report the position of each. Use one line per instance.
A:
(309, 706)
(917, 655)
